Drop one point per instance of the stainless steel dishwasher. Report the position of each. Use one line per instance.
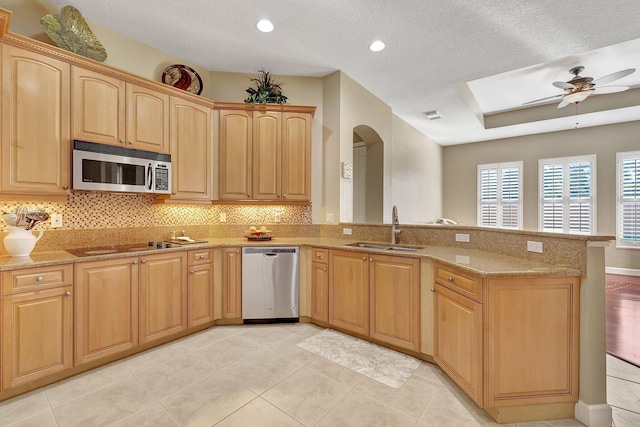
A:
(270, 284)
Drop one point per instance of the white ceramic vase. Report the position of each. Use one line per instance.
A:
(20, 242)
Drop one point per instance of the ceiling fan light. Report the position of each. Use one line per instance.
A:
(576, 97)
(264, 25)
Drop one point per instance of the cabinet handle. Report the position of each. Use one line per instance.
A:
(135, 262)
(364, 258)
(248, 195)
(237, 251)
(39, 279)
(318, 256)
(201, 256)
(65, 187)
(324, 268)
(432, 290)
(191, 271)
(284, 196)
(130, 142)
(121, 140)
(142, 261)
(67, 294)
(451, 279)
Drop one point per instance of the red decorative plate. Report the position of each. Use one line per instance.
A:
(182, 77)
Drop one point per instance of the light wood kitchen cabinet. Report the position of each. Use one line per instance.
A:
(458, 340)
(349, 291)
(265, 155)
(395, 300)
(232, 283)
(37, 323)
(532, 341)
(190, 151)
(35, 133)
(320, 286)
(106, 308)
(163, 295)
(200, 285)
(111, 111)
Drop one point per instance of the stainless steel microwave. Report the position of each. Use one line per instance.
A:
(101, 167)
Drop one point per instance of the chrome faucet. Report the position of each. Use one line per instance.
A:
(395, 232)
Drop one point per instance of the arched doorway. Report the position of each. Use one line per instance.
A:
(368, 175)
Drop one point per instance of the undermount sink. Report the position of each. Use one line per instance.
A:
(384, 247)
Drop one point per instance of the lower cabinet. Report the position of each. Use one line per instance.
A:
(200, 283)
(320, 286)
(375, 295)
(106, 308)
(163, 295)
(37, 323)
(232, 283)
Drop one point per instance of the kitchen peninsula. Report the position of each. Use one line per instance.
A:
(452, 279)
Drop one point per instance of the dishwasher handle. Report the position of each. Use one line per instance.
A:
(270, 255)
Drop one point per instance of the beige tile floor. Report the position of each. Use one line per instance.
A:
(623, 392)
(249, 376)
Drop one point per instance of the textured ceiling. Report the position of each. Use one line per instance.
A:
(434, 48)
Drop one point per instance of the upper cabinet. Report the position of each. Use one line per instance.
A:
(265, 154)
(190, 151)
(35, 124)
(111, 111)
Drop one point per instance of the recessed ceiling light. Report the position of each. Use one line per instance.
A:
(265, 25)
(376, 46)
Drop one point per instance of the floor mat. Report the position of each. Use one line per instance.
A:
(383, 365)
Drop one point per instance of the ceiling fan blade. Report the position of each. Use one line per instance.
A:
(563, 85)
(614, 76)
(609, 89)
(563, 104)
(542, 99)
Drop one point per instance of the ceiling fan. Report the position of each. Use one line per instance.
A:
(579, 88)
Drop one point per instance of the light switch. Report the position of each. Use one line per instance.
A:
(223, 217)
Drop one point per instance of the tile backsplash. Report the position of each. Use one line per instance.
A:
(93, 210)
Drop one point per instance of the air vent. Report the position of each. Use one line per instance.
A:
(433, 115)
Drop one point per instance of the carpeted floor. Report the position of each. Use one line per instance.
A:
(622, 295)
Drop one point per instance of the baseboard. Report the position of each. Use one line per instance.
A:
(594, 415)
(622, 271)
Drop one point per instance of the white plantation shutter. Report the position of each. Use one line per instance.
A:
(499, 195)
(567, 202)
(628, 229)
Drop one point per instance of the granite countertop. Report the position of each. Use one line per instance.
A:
(474, 261)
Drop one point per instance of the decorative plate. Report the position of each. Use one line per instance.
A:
(182, 77)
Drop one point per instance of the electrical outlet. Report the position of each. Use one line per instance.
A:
(277, 217)
(534, 246)
(56, 220)
(462, 237)
(223, 217)
(329, 217)
(347, 231)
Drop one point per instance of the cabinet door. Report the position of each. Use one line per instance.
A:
(266, 155)
(200, 295)
(37, 335)
(458, 340)
(106, 308)
(319, 292)
(190, 150)
(395, 301)
(35, 123)
(349, 291)
(231, 283)
(296, 156)
(532, 341)
(98, 107)
(163, 295)
(235, 151)
(147, 126)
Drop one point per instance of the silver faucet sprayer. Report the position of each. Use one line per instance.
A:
(395, 232)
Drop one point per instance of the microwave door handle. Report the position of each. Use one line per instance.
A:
(150, 177)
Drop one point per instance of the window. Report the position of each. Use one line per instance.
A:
(567, 194)
(500, 195)
(628, 222)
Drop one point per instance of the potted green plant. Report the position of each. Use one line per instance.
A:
(267, 89)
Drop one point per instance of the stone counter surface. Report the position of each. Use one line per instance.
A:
(474, 261)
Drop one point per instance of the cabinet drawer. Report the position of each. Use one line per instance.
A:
(320, 255)
(464, 284)
(32, 279)
(200, 256)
